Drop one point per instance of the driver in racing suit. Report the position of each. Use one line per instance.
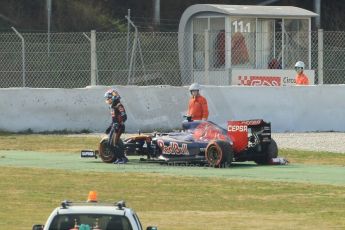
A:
(117, 126)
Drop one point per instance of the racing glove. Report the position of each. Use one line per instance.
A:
(107, 131)
(115, 125)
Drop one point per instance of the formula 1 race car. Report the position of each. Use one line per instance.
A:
(201, 142)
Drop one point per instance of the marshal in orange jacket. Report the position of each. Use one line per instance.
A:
(198, 108)
(302, 79)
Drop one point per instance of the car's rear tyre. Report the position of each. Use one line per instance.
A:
(108, 153)
(219, 154)
(271, 151)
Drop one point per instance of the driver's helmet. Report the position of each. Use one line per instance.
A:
(112, 94)
(194, 87)
(299, 65)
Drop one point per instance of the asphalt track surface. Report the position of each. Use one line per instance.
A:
(314, 174)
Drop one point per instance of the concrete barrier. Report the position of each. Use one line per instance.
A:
(297, 109)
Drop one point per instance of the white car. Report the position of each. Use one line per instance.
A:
(92, 216)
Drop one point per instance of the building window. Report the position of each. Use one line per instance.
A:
(199, 27)
(243, 42)
(296, 40)
(217, 42)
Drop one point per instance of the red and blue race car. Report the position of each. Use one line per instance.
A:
(202, 142)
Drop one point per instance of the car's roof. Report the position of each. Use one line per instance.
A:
(110, 210)
(68, 207)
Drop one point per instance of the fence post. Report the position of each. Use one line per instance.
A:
(228, 57)
(128, 30)
(320, 56)
(132, 61)
(93, 57)
(207, 56)
(94, 71)
(23, 53)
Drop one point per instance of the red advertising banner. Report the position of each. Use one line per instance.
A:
(267, 77)
(259, 80)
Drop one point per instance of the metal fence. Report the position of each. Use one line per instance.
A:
(67, 60)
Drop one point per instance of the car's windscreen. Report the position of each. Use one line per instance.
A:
(89, 222)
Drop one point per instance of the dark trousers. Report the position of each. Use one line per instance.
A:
(114, 137)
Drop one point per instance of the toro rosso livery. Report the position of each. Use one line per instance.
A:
(202, 142)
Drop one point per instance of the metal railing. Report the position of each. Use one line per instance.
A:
(74, 60)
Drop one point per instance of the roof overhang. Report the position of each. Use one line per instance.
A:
(245, 11)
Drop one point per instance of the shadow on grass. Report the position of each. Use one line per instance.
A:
(244, 165)
(138, 162)
(96, 162)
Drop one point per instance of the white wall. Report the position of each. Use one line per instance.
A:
(304, 108)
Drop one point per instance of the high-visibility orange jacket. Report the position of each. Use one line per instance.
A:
(198, 108)
(302, 79)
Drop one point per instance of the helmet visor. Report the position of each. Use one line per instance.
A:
(108, 101)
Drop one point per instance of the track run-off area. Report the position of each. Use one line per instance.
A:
(303, 173)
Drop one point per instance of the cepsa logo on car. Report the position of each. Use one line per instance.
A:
(173, 148)
(237, 128)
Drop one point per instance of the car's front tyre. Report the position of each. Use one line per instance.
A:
(108, 153)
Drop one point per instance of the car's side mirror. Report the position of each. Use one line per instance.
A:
(38, 227)
(151, 228)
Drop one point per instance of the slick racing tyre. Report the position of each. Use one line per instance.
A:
(271, 151)
(219, 154)
(108, 153)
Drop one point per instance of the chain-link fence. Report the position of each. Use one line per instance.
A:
(138, 59)
(333, 58)
(64, 63)
(64, 60)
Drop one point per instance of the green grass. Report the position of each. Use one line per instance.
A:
(47, 143)
(310, 157)
(28, 195)
(174, 202)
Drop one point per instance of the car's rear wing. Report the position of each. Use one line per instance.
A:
(239, 132)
